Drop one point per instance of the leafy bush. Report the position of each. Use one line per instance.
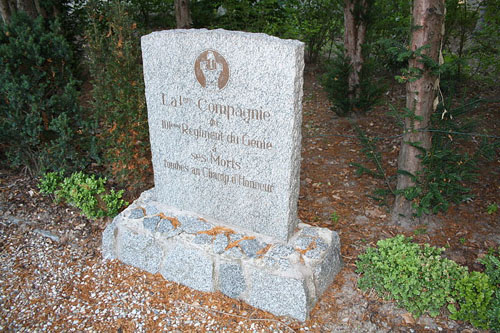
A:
(336, 85)
(84, 192)
(50, 182)
(422, 281)
(494, 312)
(40, 119)
(473, 294)
(491, 263)
(492, 268)
(118, 100)
(415, 276)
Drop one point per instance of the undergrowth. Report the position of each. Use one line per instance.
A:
(336, 85)
(41, 123)
(422, 281)
(449, 166)
(85, 192)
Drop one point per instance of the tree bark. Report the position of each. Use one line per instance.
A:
(28, 7)
(427, 30)
(182, 14)
(355, 12)
(5, 11)
(41, 11)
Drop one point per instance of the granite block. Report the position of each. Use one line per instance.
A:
(308, 231)
(193, 225)
(220, 243)
(109, 240)
(231, 280)
(189, 266)
(138, 250)
(136, 213)
(302, 242)
(151, 210)
(202, 239)
(329, 266)
(164, 226)
(234, 253)
(151, 223)
(281, 295)
(250, 247)
(280, 251)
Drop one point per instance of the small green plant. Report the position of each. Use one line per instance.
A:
(334, 217)
(85, 192)
(473, 294)
(50, 182)
(420, 231)
(462, 240)
(417, 277)
(492, 209)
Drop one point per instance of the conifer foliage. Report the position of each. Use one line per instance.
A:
(40, 118)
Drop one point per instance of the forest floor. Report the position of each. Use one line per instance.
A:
(52, 276)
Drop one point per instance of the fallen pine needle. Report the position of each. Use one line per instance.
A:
(238, 316)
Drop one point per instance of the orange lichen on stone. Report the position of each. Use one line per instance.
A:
(175, 221)
(311, 246)
(237, 242)
(217, 230)
(264, 250)
(143, 210)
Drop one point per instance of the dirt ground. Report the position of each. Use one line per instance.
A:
(53, 277)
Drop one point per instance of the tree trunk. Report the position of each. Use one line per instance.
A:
(5, 11)
(41, 11)
(182, 14)
(28, 7)
(427, 30)
(355, 12)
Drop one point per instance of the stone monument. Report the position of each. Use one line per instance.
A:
(225, 113)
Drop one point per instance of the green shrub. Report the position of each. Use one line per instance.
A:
(422, 281)
(50, 182)
(491, 263)
(118, 100)
(492, 268)
(417, 277)
(87, 193)
(494, 312)
(473, 294)
(40, 119)
(335, 82)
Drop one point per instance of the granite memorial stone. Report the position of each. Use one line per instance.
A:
(225, 114)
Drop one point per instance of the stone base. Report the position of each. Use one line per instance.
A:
(284, 279)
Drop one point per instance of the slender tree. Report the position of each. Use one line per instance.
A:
(426, 38)
(355, 23)
(5, 10)
(182, 14)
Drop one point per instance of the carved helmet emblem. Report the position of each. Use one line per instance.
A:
(211, 70)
